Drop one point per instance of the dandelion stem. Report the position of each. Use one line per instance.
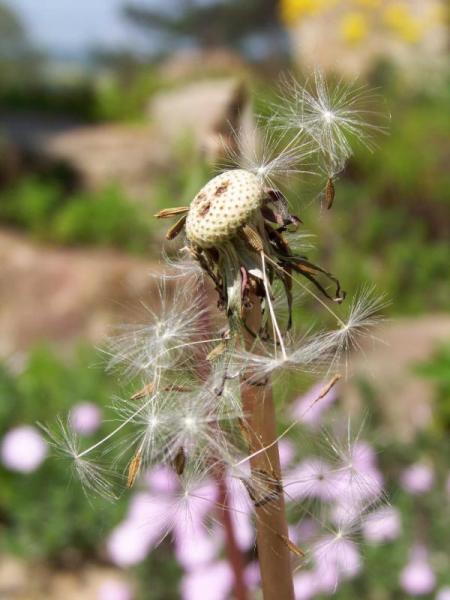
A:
(271, 525)
(234, 554)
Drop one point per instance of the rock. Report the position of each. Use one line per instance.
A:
(13, 577)
(208, 111)
(23, 581)
(404, 399)
(61, 294)
(95, 155)
(84, 584)
(199, 63)
(124, 154)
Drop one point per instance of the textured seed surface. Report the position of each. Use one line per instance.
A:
(225, 204)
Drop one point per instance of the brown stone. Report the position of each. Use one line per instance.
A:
(387, 363)
(61, 294)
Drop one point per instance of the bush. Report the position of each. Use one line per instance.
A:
(104, 218)
(35, 508)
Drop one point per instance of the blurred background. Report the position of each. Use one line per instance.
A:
(111, 110)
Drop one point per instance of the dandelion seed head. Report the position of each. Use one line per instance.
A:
(333, 115)
(312, 478)
(222, 206)
(92, 476)
(336, 556)
(363, 316)
(272, 158)
(160, 344)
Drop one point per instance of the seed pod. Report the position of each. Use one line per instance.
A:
(166, 213)
(173, 231)
(179, 461)
(216, 352)
(252, 238)
(329, 193)
(145, 391)
(133, 469)
(222, 207)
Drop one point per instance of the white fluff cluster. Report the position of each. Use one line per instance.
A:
(186, 413)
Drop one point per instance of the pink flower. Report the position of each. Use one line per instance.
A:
(359, 483)
(196, 547)
(162, 480)
(151, 516)
(312, 478)
(363, 455)
(23, 449)
(417, 578)
(214, 582)
(287, 452)
(307, 409)
(304, 531)
(85, 418)
(443, 593)
(253, 575)
(305, 585)
(114, 589)
(382, 525)
(336, 557)
(241, 514)
(127, 545)
(417, 479)
(146, 524)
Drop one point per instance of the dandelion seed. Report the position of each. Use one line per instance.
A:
(336, 557)
(359, 484)
(363, 316)
(313, 478)
(332, 115)
(166, 341)
(92, 476)
(273, 160)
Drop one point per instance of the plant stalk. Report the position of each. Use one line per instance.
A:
(234, 554)
(271, 525)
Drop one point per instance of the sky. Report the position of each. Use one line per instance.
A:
(72, 26)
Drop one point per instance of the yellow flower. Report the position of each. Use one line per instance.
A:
(369, 3)
(354, 27)
(293, 10)
(398, 17)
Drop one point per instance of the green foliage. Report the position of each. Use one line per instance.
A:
(19, 61)
(104, 218)
(213, 24)
(390, 220)
(35, 508)
(46, 515)
(437, 369)
(124, 97)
